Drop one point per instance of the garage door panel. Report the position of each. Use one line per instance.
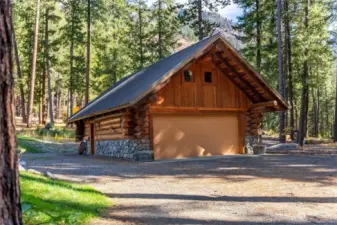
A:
(180, 136)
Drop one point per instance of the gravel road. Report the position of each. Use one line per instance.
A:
(238, 190)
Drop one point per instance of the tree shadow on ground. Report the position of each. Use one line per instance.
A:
(320, 169)
(158, 216)
(257, 199)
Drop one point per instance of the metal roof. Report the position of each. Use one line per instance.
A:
(134, 87)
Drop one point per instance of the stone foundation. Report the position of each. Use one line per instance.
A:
(253, 146)
(250, 141)
(131, 149)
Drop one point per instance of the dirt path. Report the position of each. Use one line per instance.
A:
(271, 189)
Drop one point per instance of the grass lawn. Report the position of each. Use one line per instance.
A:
(47, 201)
(28, 144)
(38, 145)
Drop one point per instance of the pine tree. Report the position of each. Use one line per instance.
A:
(10, 205)
(193, 12)
(280, 68)
(32, 77)
(88, 53)
(74, 36)
(18, 70)
(165, 32)
(139, 40)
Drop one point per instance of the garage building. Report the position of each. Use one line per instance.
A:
(204, 100)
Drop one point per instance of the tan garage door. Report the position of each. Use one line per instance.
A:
(180, 136)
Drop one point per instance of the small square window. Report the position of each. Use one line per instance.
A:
(208, 77)
(188, 76)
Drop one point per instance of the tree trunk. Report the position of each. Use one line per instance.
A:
(200, 34)
(50, 96)
(141, 36)
(18, 69)
(280, 70)
(160, 30)
(44, 113)
(289, 66)
(88, 56)
(305, 87)
(315, 114)
(58, 102)
(335, 124)
(43, 94)
(10, 206)
(32, 78)
(258, 36)
(71, 66)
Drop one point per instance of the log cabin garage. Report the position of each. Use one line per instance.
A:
(204, 100)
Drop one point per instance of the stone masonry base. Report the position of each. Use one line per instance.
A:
(132, 149)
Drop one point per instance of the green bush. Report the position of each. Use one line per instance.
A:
(55, 133)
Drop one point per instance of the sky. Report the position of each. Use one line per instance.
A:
(231, 11)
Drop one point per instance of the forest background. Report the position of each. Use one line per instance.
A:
(69, 51)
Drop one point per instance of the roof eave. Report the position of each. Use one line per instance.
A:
(99, 113)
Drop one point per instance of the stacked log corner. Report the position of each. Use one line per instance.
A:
(80, 130)
(141, 121)
(253, 121)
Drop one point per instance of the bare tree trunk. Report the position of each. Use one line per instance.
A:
(141, 36)
(335, 124)
(50, 96)
(88, 56)
(318, 112)
(10, 206)
(160, 30)
(289, 66)
(58, 102)
(315, 114)
(280, 69)
(18, 70)
(200, 34)
(305, 87)
(32, 78)
(43, 95)
(258, 36)
(71, 66)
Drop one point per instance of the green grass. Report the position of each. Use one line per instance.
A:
(28, 144)
(46, 201)
(56, 133)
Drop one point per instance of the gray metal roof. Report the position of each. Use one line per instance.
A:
(132, 87)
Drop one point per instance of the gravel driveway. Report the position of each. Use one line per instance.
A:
(238, 190)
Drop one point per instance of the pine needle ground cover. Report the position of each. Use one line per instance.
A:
(47, 201)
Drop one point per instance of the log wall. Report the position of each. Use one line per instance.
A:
(108, 127)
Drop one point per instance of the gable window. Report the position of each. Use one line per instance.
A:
(188, 76)
(208, 77)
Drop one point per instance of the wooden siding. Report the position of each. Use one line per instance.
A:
(109, 127)
(221, 93)
(133, 123)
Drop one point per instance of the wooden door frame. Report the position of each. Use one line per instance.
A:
(92, 139)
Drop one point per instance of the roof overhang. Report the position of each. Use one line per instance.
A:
(227, 59)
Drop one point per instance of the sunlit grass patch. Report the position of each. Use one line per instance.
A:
(28, 144)
(47, 201)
